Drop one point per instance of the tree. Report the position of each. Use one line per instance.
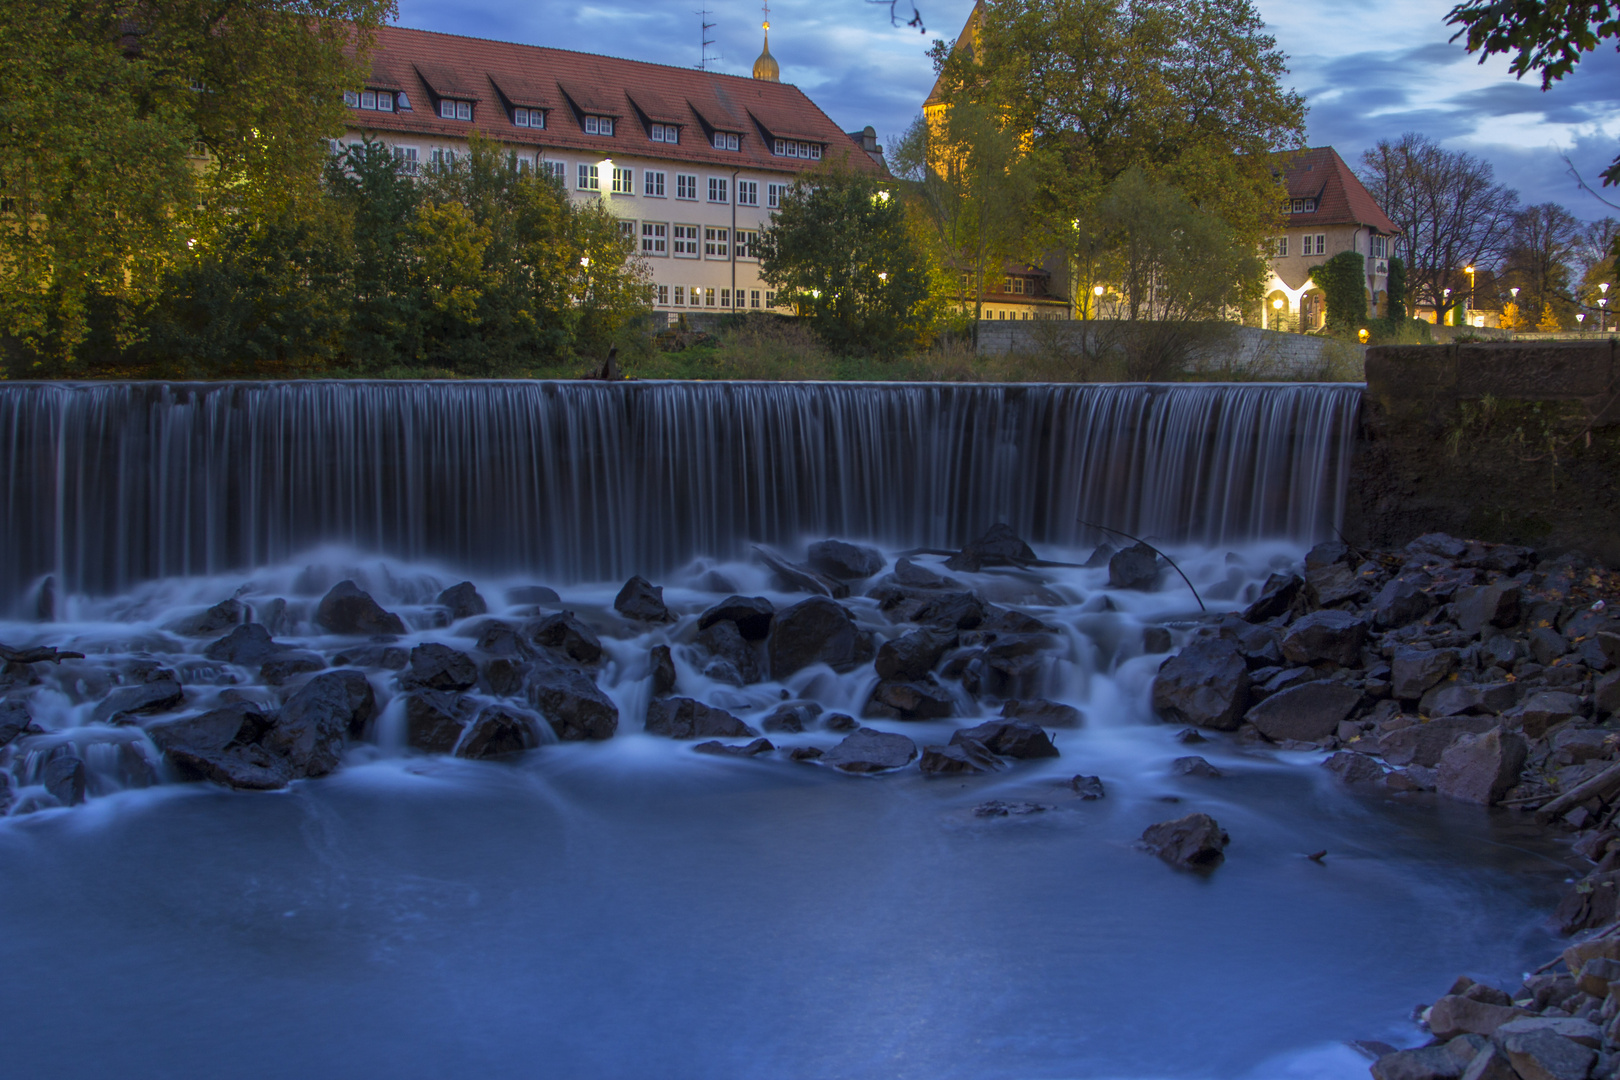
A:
(1343, 281)
(1597, 251)
(1450, 212)
(1543, 245)
(1550, 323)
(841, 252)
(1512, 317)
(1395, 291)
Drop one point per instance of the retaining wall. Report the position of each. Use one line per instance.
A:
(1239, 348)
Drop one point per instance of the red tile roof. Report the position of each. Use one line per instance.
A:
(1321, 174)
(496, 75)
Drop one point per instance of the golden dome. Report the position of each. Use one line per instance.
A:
(766, 67)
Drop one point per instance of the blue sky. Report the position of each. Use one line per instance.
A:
(1370, 69)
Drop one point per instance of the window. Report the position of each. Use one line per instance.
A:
(1310, 206)
(753, 299)
(624, 181)
(351, 98)
(1299, 206)
(708, 298)
(1006, 285)
(747, 193)
(697, 296)
(1282, 246)
(654, 238)
(745, 242)
(1321, 243)
(685, 186)
(666, 133)
(406, 157)
(378, 100)
(770, 299)
(588, 180)
(368, 99)
(663, 295)
(403, 101)
(529, 118)
(455, 110)
(680, 295)
(725, 141)
(385, 102)
(685, 241)
(652, 183)
(716, 243)
(627, 230)
(1380, 246)
(1018, 285)
(719, 189)
(789, 148)
(442, 159)
(599, 125)
(773, 195)
(556, 170)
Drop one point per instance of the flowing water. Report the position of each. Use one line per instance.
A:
(634, 909)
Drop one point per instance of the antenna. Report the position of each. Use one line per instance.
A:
(703, 17)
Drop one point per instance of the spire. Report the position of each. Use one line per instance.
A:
(766, 67)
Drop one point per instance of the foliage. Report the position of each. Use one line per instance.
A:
(1395, 291)
(1512, 318)
(1389, 331)
(841, 251)
(101, 127)
(1550, 323)
(1544, 244)
(1343, 281)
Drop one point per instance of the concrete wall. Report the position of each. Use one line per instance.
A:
(1500, 441)
(1244, 349)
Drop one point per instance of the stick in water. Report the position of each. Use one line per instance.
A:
(1156, 551)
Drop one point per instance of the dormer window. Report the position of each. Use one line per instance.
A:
(1304, 206)
(724, 140)
(790, 148)
(454, 110)
(374, 100)
(529, 118)
(599, 125)
(666, 133)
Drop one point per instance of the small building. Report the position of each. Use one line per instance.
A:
(1021, 291)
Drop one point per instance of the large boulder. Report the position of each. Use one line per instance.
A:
(1053, 714)
(1206, 683)
(734, 659)
(1424, 1063)
(221, 616)
(1009, 738)
(1332, 636)
(1309, 712)
(435, 720)
(348, 609)
(870, 751)
(661, 666)
(684, 718)
(1539, 1053)
(913, 655)
(1424, 743)
(1454, 698)
(571, 702)
(957, 759)
(1413, 671)
(999, 546)
(221, 745)
(815, 631)
(1137, 567)
(462, 601)
(752, 614)
(65, 778)
(248, 645)
(565, 634)
(845, 561)
(497, 731)
(1456, 1014)
(1481, 768)
(439, 667)
(1277, 596)
(14, 719)
(122, 705)
(1500, 605)
(1194, 842)
(1545, 709)
(643, 601)
(312, 726)
(1353, 768)
(1402, 600)
(915, 699)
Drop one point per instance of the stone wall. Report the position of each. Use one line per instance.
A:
(1501, 441)
(1244, 349)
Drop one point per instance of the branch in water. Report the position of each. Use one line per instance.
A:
(1156, 551)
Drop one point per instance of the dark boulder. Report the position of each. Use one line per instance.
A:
(1537, 1052)
(1309, 712)
(1194, 766)
(791, 577)
(1009, 738)
(1156, 639)
(1413, 671)
(643, 601)
(65, 778)
(840, 722)
(911, 575)
(870, 751)
(845, 561)
(792, 717)
(1194, 842)
(504, 676)
(14, 719)
(1332, 636)
(1424, 743)
(498, 731)
(1051, 714)
(439, 667)
(532, 594)
(1546, 645)
(283, 669)
(1402, 600)
(1354, 768)
(221, 745)
(957, 759)
(1438, 544)
(123, 704)
(1481, 768)
(1455, 698)
(913, 655)
(916, 699)
(1543, 710)
(312, 726)
(999, 546)
(497, 638)
(735, 660)
(1500, 605)
(248, 645)
(462, 601)
(752, 614)
(1277, 596)
(816, 631)
(1424, 1063)
(720, 749)
(1206, 684)
(571, 702)
(1137, 567)
(566, 634)
(661, 666)
(221, 616)
(347, 609)
(684, 718)
(958, 611)
(1087, 787)
(435, 720)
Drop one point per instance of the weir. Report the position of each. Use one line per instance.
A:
(108, 485)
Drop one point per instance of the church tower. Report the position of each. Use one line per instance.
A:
(766, 67)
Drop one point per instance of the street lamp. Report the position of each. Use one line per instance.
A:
(1603, 314)
(1580, 317)
(1469, 270)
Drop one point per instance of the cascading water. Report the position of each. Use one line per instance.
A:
(108, 485)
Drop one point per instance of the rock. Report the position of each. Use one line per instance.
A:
(959, 758)
(1480, 606)
(1413, 671)
(64, 777)
(312, 726)
(913, 655)
(1087, 787)
(735, 660)
(815, 631)
(661, 667)
(248, 645)
(752, 614)
(960, 611)
(998, 808)
(1276, 598)
(999, 546)
(532, 594)
(1334, 584)
(1546, 645)
(844, 561)
(226, 613)
(753, 749)
(1541, 1054)
(1606, 693)
(840, 722)
(280, 670)
(805, 753)
(684, 718)
(1050, 714)
(1353, 768)
(220, 745)
(346, 609)
(1189, 736)
(1194, 842)
(1594, 978)
(642, 601)
(439, 667)
(1578, 955)
(1332, 636)
(1309, 712)
(497, 638)
(1456, 1014)
(1009, 738)
(14, 719)
(571, 702)
(504, 676)
(1424, 1063)
(870, 751)
(127, 701)
(913, 576)
(1592, 901)
(1438, 544)
(462, 601)
(1456, 698)
(498, 731)
(1194, 766)
(1156, 639)
(1402, 600)
(1584, 1032)
(1137, 567)
(790, 577)
(434, 720)
(566, 634)
(792, 717)
(1580, 746)
(918, 699)
(1206, 684)
(1481, 768)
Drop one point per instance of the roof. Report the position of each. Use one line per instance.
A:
(1320, 173)
(966, 41)
(497, 74)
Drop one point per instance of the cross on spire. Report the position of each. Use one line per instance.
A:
(766, 7)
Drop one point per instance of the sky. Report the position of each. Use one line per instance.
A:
(1369, 70)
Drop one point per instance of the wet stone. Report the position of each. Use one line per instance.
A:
(462, 601)
(845, 561)
(1087, 787)
(1051, 714)
(871, 751)
(957, 759)
(751, 614)
(565, 634)
(720, 749)
(643, 601)
(684, 718)
(1194, 766)
(347, 609)
(282, 669)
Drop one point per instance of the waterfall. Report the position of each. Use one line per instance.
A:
(107, 485)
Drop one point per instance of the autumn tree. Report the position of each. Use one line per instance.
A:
(1543, 245)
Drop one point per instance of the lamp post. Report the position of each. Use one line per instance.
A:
(1277, 306)
(1469, 270)
(1580, 317)
(1603, 314)
(1097, 291)
(1438, 320)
